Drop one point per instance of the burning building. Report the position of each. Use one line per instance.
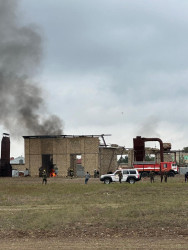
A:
(59, 155)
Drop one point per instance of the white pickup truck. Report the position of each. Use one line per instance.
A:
(128, 175)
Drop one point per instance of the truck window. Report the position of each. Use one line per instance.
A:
(165, 165)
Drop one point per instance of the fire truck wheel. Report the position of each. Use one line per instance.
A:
(171, 174)
(131, 181)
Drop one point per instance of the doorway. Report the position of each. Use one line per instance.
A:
(76, 169)
(47, 164)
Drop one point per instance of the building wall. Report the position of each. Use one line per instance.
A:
(183, 170)
(19, 167)
(61, 149)
(107, 160)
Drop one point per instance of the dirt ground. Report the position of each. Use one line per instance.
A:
(91, 243)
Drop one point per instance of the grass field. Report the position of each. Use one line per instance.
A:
(67, 213)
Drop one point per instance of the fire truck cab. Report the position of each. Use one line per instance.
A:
(170, 167)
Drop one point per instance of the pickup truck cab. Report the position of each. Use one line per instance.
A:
(128, 175)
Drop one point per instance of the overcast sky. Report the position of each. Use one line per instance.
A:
(116, 67)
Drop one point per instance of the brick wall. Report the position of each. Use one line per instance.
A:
(61, 149)
(107, 160)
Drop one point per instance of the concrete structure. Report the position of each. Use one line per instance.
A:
(61, 152)
(18, 164)
(18, 160)
(45, 151)
(183, 170)
(108, 158)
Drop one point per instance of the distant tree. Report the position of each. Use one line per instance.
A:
(123, 159)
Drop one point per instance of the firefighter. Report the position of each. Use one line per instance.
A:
(166, 176)
(186, 176)
(120, 176)
(162, 174)
(44, 177)
(95, 173)
(151, 175)
(71, 173)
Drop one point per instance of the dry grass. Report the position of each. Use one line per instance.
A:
(69, 208)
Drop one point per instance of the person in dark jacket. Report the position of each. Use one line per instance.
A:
(162, 174)
(120, 176)
(166, 176)
(95, 173)
(151, 175)
(186, 176)
(87, 176)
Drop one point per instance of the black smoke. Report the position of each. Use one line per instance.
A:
(22, 105)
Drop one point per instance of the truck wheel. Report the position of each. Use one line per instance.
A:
(131, 181)
(107, 181)
(171, 174)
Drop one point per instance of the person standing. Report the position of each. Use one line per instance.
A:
(71, 173)
(44, 177)
(186, 176)
(151, 175)
(161, 176)
(120, 176)
(166, 176)
(87, 176)
(95, 173)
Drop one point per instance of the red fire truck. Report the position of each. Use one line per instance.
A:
(144, 167)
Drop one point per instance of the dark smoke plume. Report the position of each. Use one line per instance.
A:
(22, 109)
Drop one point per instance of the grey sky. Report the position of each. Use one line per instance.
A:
(115, 67)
